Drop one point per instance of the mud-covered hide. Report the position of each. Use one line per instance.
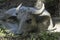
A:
(30, 20)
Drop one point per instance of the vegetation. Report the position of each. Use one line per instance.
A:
(30, 36)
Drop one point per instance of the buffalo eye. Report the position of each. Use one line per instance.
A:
(16, 13)
(29, 21)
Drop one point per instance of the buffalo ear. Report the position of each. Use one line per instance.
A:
(10, 12)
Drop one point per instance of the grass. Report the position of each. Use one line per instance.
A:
(30, 36)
